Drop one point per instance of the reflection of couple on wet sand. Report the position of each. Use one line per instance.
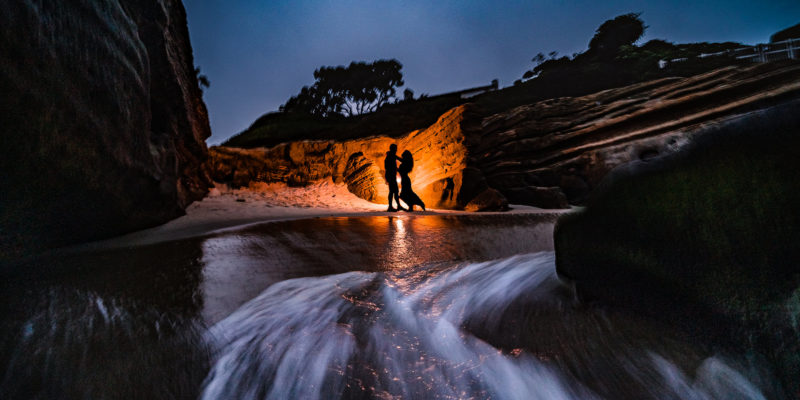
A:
(406, 194)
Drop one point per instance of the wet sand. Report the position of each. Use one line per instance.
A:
(232, 209)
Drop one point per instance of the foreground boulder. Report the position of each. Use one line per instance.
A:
(103, 124)
(707, 237)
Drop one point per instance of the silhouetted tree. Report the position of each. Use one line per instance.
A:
(353, 90)
(610, 48)
(311, 100)
(611, 35)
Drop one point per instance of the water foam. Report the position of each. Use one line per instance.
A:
(402, 335)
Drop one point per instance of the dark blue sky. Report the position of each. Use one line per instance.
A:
(259, 53)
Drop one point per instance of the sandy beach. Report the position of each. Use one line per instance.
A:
(226, 209)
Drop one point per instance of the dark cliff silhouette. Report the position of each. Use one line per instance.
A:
(102, 134)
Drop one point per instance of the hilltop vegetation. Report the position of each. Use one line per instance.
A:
(330, 108)
(791, 32)
(390, 120)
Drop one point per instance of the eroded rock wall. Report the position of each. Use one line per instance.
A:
(441, 174)
(103, 124)
(557, 151)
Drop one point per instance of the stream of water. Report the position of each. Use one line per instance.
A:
(408, 307)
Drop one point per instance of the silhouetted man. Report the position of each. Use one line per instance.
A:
(390, 165)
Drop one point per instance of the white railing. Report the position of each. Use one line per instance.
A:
(787, 49)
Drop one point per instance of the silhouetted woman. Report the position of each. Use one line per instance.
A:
(406, 194)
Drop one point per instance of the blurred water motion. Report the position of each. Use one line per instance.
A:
(401, 334)
(239, 265)
(361, 308)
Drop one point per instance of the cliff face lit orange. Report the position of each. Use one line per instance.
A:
(439, 154)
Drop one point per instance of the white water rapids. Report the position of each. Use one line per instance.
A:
(424, 333)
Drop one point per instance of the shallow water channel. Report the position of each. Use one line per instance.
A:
(412, 306)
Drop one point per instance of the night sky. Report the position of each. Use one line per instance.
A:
(259, 53)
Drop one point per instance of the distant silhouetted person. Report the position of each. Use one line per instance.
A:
(409, 197)
(390, 165)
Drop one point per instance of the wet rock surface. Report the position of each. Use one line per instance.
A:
(103, 122)
(705, 238)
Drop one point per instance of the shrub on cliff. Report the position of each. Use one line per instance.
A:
(612, 58)
(393, 119)
(791, 32)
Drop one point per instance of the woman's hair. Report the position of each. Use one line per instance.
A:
(408, 161)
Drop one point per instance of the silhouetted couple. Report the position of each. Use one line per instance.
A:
(406, 194)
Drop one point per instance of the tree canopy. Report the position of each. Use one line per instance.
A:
(623, 30)
(353, 90)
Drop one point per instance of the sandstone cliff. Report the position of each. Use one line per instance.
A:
(441, 175)
(103, 122)
(548, 154)
(556, 151)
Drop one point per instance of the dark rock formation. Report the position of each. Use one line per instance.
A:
(103, 122)
(706, 237)
(532, 152)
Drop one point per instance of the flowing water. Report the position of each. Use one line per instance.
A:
(404, 307)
